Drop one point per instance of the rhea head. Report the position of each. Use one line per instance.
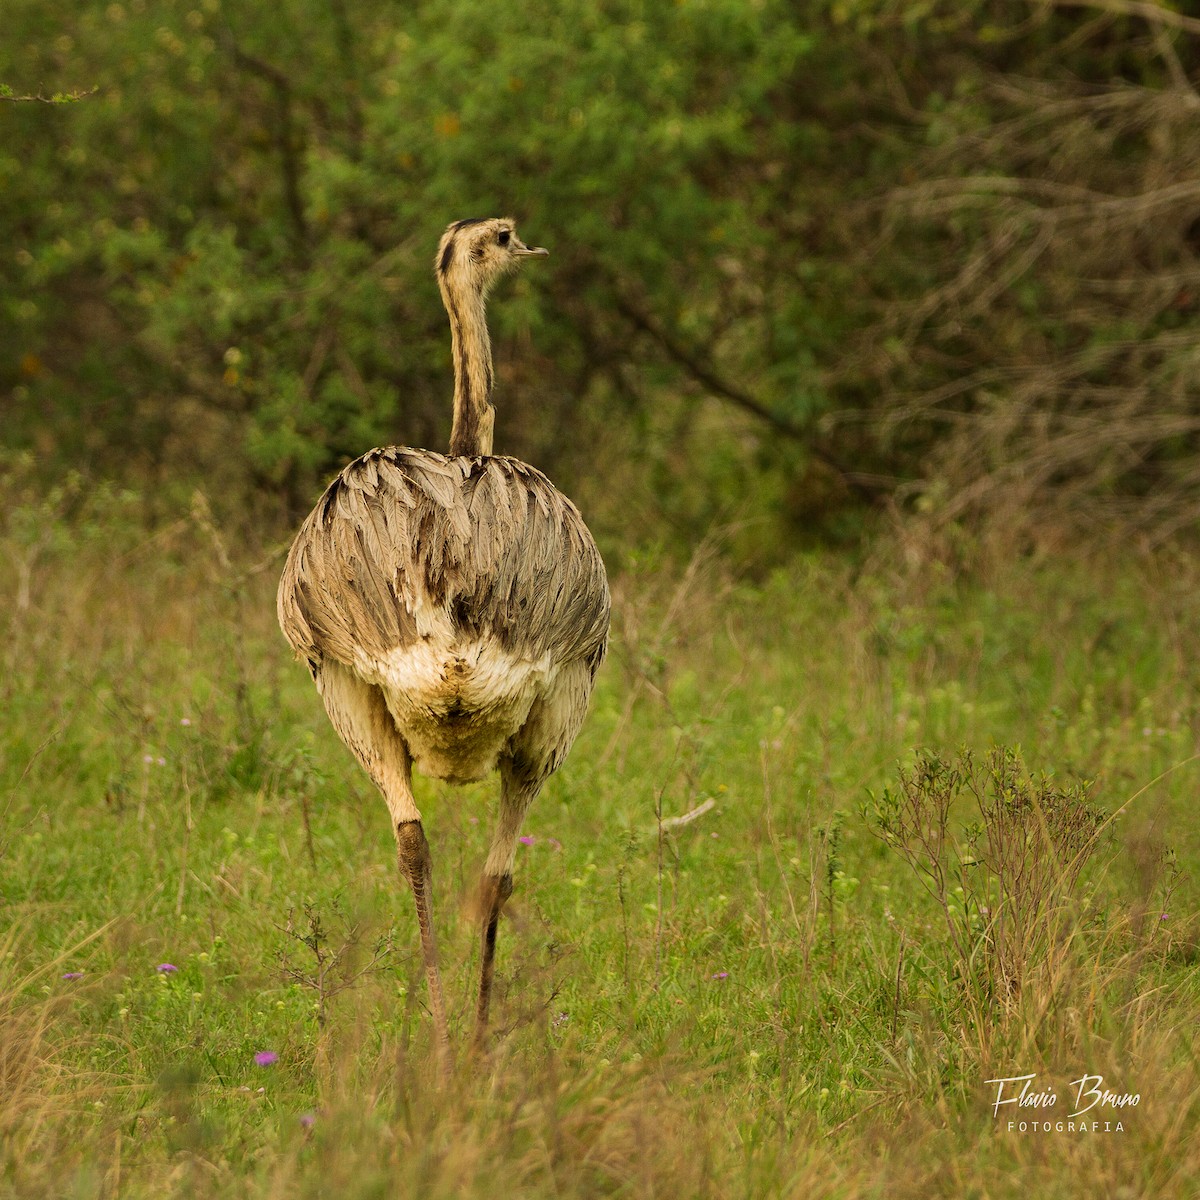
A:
(474, 253)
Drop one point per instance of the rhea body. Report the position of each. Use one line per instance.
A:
(453, 609)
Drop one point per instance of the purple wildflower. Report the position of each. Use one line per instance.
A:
(185, 720)
(266, 1058)
(166, 968)
(1165, 917)
(308, 1120)
(73, 975)
(720, 975)
(526, 839)
(555, 843)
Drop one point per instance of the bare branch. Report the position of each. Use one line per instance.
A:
(285, 135)
(1145, 9)
(6, 93)
(667, 824)
(705, 374)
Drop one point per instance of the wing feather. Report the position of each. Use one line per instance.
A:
(490, 541)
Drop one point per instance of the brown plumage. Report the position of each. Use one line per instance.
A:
(453, 610)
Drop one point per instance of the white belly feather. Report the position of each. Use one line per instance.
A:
(456, 701)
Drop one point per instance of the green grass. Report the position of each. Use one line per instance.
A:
(760, 1003)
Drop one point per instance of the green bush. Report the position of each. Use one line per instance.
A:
(801, 256)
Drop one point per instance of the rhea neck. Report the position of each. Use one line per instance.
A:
(474, 416)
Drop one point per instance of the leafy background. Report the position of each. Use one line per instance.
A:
(809, 260)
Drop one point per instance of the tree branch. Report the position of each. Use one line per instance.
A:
(285, 137)
(704, 374)
(6, 93)
(866, 487)
(1148, 11)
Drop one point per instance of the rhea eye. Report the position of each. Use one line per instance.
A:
(503, 237)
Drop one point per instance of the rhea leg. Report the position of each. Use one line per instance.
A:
(494, 891)
(360, 715)
(417, 865)
(518, 789)
(532, 756)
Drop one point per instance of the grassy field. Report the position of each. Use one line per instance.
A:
(801, 992)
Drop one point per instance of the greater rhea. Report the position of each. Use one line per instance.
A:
(453, 610)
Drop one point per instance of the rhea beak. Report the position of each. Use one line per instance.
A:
(530, 251)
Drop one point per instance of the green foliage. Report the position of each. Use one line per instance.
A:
(782, 239)
(258, 237)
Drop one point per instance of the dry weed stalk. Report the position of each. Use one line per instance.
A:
(1006, 886)
(332, 967)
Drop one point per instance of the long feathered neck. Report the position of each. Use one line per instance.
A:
(474, 416)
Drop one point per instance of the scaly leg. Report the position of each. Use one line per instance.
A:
(495, 889)
(532, 756)
(417, 864)
(360, 715)
(518, 788)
